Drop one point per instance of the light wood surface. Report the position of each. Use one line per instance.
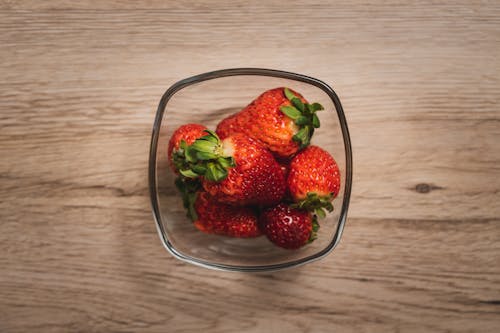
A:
(80, 82)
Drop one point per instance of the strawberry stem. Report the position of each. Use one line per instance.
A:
(303, 115)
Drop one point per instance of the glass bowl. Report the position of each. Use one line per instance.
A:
(207, 99)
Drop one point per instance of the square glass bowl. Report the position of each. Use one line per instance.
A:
(207, 99)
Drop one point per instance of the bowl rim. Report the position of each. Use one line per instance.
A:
(257, 72)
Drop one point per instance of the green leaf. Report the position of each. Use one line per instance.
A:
(315, 107)
(299, 136)
(232, 162)
(314, 231)
(307, 138)
(188, 188)
(289, 94)
(205, 156)
(290, 111)
(211, 172)
(298, 104)
(192, 185)
(199, 169)
(315, 225)
(226, 162)
(180, 184)
(190, 155)
(183, 145)
(190, 201)
(211, 138)
(316, 203)
(201, 145)
(221, 172)
(301, 120)
(320, 213)
(211, 133)
(188, 173)
(215, 172)
(302, 136)
(187, 185)
(315, 121)
(223, 162)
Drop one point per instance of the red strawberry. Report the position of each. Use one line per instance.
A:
(187, 133)
(237, 170)
(228, 126)
(217, 218)
(279, 118)
(314, 180)
(289, 228)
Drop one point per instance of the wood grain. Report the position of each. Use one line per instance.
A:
(419, 82)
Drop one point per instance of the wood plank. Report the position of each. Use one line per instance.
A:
(111, 274)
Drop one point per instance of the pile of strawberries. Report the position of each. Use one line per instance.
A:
(257, 173)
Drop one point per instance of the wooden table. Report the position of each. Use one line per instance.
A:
(80, 82)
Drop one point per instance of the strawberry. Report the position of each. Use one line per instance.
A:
(237, 170)
(217, 218)
(228, 126)
(279, 118)
(314, 180)
(187, 134)
(287, 227)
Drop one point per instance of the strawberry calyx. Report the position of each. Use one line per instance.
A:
(189, 188)
(178, 157)
(314, 231)
(303, 115)
(204, 157)
(316, 203)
